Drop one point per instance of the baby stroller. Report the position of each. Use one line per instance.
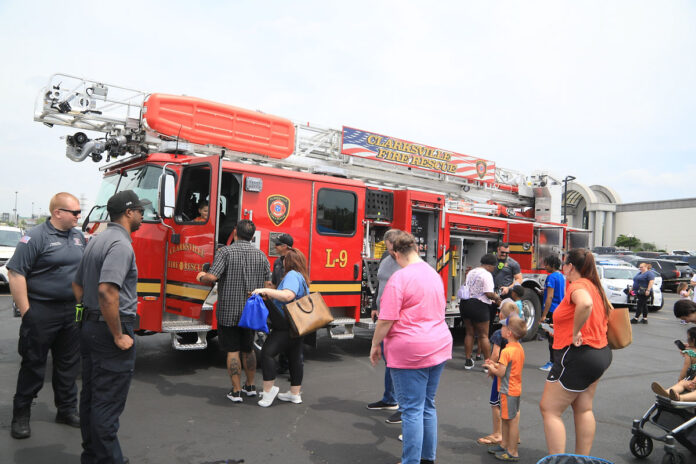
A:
(676, 419)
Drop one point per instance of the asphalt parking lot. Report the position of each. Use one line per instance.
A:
(177, 411)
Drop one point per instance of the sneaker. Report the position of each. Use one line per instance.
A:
(644, 321)
(268, 397)
(634, 321)
(288, 396)
(235, 396)
(546, 367)
(249, 390)
(469, 363)
(400, 437)
(382, 405)
(479, 357)
(394, 418)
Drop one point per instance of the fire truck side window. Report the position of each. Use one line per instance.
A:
(194, 189)
(336, 212)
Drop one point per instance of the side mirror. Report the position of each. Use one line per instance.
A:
(166, 195)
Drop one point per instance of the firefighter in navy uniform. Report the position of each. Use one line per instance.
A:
(40, 274)
(106, 285)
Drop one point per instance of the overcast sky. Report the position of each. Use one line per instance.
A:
(602, 90)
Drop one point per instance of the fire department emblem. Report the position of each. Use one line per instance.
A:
(278, 208)
(481, 168)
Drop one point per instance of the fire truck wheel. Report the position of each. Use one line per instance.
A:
(532, 313)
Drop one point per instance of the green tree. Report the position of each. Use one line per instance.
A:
(625, 241)
(647, 246)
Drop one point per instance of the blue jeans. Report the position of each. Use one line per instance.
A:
(388, 396)
(415, 390)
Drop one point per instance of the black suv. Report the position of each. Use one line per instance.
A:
(691, 260)
(673, 272)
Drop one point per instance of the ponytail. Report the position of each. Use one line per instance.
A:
(584, 262)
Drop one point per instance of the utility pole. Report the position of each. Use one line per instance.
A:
(15, 210)
(565, 197)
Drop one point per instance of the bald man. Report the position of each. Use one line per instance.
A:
(41, 273)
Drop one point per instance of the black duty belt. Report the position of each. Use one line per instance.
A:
(97, 317)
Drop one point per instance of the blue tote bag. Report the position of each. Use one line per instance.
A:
(254, 314)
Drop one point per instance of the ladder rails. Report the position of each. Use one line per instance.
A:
(118, 113)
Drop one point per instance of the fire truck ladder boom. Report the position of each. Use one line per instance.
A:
(118, 113)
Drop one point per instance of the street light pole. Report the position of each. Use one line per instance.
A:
(565, 197)
(15, 210)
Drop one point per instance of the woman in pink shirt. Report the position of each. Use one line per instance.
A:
(417, 343)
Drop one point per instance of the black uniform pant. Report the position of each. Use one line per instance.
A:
(48, 326)
(641, 304)
(106, 376)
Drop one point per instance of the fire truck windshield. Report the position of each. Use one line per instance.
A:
(142, 180)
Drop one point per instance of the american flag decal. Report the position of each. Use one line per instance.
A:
(378, 147)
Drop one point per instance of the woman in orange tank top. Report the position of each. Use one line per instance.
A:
(580, 354)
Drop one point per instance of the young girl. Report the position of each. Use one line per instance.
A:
(683, 290)
(684, 389)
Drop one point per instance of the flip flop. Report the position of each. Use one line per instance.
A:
(659, 390)
(488, 440)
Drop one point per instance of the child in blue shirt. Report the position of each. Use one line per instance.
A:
(554, 291)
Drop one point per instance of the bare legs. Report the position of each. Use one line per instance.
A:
(481, 331)
(554, 401)
(234, 368)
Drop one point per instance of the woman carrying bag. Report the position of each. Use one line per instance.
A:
(293, 286)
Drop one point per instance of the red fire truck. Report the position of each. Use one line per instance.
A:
(335, 191)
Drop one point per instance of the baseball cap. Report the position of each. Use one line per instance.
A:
(284, 239)
(126, 199)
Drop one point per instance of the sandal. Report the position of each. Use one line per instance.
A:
(488, 440)
(506, 457)
(674, 396)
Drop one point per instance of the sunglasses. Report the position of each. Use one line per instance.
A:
(504, 253)
(74, 212)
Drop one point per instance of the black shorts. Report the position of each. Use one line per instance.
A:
(475, 310)
(578, 367)
(233, 339)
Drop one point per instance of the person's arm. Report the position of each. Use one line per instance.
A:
(18, 289)
(495, 368)
(583, 308)
(78, 291)
(108, 304)
(685, 366)
(650, 285)
(206, 278)
(285, 295)
(547, 303)
(381, 330)
(495, 353)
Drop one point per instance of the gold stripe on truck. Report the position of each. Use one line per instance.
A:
(353, 287)
(148, 288)
(187, 292)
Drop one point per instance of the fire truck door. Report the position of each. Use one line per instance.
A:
(466, 255)
(193, 244)
(336, 245)
(425, 227)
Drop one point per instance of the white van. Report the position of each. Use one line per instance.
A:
(617, 276)
(9, 237)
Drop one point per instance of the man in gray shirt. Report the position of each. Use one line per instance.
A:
(387, 267)
(507, 273)
(106, 283)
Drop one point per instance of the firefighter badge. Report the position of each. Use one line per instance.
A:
(481, 168)
(278, 208)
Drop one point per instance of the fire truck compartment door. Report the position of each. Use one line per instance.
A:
(577, 239)
(337, 244)
(547, 241)
(199, 183)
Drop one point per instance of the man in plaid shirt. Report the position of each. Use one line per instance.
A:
(238, 268)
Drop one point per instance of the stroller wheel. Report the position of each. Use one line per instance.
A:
(673, 459)
(642, 446)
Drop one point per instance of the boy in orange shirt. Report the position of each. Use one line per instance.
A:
(508, 369)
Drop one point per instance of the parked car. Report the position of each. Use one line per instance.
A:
(672, 272)
(649, 254)
(686, 258)
(9, 237)
(617, 279)
(684, 252)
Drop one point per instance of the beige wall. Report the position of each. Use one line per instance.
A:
(668, 229)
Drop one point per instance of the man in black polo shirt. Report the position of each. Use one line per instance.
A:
(507, 273)
(239, 269)
(282, 244)
(40, 274)
(106, 284)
